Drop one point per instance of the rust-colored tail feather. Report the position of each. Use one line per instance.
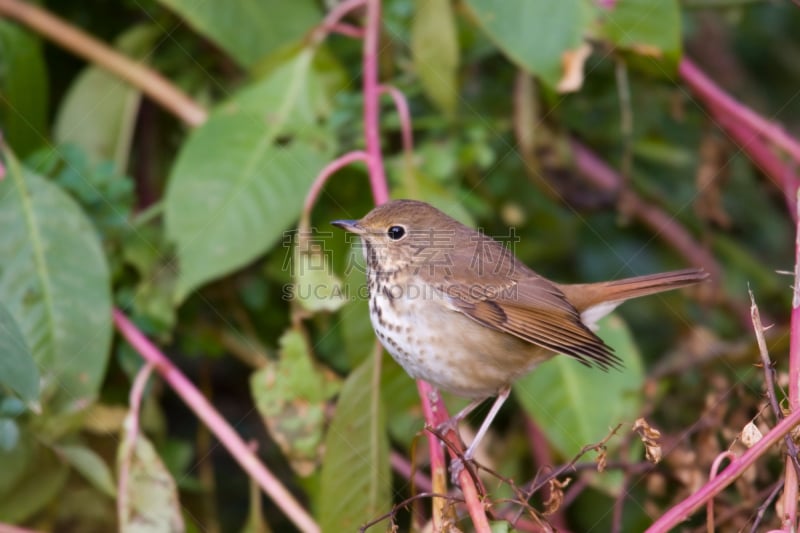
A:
(586, 295)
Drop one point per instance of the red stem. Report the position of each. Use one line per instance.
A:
(372, 135)
(332, 167)
(710, 93)
(211, 418)
(683, 510)
(403, 113)
(790, 492)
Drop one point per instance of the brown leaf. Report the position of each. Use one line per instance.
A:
(650, 437)
(555, 496)
(572, 62)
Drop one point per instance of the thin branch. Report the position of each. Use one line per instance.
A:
(769, 378)
(762, 509)
(98, 53)
(681, 511)
(240, 451)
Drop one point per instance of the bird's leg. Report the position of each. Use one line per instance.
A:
(457, 464)
(451, 424)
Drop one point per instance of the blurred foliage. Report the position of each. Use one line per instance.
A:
(109, 200)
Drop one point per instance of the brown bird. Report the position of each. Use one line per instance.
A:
(458, 309)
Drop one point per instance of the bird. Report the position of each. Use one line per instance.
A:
(457, 309)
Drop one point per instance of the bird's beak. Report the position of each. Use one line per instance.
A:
(349, 225)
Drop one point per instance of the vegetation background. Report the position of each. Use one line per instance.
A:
(588, 127)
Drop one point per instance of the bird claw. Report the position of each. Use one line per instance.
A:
(456, 467)
(451, 424)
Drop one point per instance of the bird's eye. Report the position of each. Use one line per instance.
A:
(396, 232)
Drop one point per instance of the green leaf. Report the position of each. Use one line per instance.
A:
(55, 282)
(356, 480)
(291, 396)
(249, 29)
(42, 480)
(434, 47)
(90, 466)
(234, 188)
(647, 27)
(99, 110)
(316, 287)
(17, 370)
(24, 88)
(152, 504)
(575, 405)
(534, 34)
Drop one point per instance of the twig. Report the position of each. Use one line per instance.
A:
(681, 511)
(765, 504)
(84, 45)
(535, 485)
(405, 503)
(129, 444)
(769, 377)
(240, 451)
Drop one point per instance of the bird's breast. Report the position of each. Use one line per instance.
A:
(431, 341)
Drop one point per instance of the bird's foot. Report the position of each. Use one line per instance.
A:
(456, 467)
(451, 424)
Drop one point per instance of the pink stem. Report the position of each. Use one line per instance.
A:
(211, 418)
(790, 496)
(712, 474)
(132, 420)
(372, 134)
(761, 155)
(684, 509)
(347, 30)
(790, 483)
(431, 401)
(332, 19)
(327, 172)
(710, 93)
(403, 113)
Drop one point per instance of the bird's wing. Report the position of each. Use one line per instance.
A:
(503, 294)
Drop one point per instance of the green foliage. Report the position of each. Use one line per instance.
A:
(576, 407)
(18, 372)
(99, 111)
(355, 479)
(55, 283)
(23, 85)
(192, 232)
(229, 202)
(249, 29)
